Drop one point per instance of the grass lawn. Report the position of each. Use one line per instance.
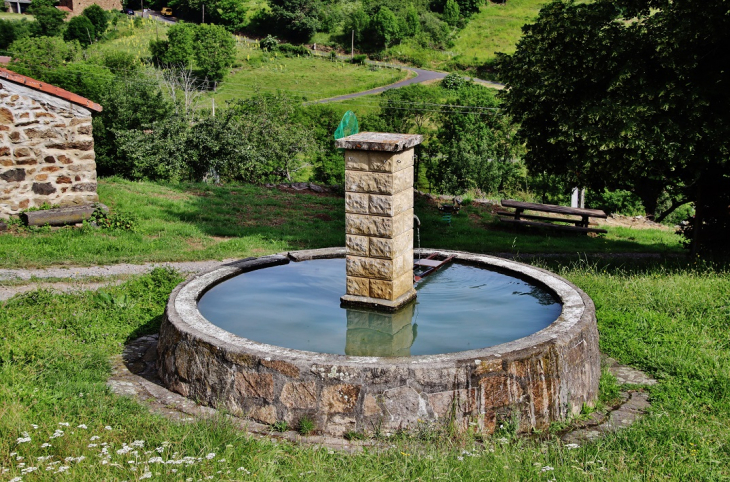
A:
(309, 78)
(180, 222)
(668, 318)
(15, 16)
(496, 28)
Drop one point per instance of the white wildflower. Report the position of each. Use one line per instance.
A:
(146, 475)
(35, 427)
(547, 468)
(83, 426)
(28, 470)
(242, 469)
(64, 424)
(155, 460)
(95, 437)
(91, 446)
(125, 449)
(160, 449)
(210, 456)
(572, 446)
(56, 434)
(222, 460)
(45, 445)
(137, 443)
(22, 440)
(107, 427)
(460, 458)
(19, 479)
(63, 468)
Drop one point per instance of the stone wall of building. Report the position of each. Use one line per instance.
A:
(46, 151)
(78, 6)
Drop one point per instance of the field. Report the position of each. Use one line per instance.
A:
(181, 222)
(58, 420)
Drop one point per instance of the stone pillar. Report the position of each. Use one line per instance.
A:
(379, 219)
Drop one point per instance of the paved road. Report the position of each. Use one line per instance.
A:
(422, 75)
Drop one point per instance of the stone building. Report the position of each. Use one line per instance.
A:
(75, 7)
(46, 145)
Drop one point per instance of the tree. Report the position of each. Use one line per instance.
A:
(412, 23)
(386, 28)
(215, 50)
(12, 30)
(178, 50)
(297, 19)
(98, 18)
(34, 56)
(475, 145)
(80, 28)
(627, 95)
(359, 22)
(451, 12)
(48, 19)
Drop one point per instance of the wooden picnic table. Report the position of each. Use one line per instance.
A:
(581, 224)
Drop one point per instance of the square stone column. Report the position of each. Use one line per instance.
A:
(379, 219)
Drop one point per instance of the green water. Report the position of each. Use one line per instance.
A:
(458, 308)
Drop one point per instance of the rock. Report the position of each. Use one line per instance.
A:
(3, 226)
(299, 186)
(317, 188)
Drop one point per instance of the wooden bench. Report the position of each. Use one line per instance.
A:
(577, 225)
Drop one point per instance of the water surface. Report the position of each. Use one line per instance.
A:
(458, 308)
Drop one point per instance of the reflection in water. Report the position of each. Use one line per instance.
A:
(380, 334)
(543, 297)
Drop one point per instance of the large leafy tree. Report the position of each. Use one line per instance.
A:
(627, 94)
(80, 28)
(48, 19)
(475, 146)
(215, 50)
(297, 20)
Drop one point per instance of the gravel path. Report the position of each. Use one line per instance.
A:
(78, 276)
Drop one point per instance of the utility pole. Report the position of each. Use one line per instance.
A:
(352, 46)
(141, 7)
(213, 99)
(203, 14)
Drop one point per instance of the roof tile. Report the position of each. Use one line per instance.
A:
(49, 89)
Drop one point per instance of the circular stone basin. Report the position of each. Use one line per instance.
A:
(459, 307)
(547, 373)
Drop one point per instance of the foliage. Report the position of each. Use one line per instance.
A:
(215, 50)
(385, 28)
(280, 426)
(116, 220)
(98, 17)
(12, 30)
(290, 50)
(475, 145)
(88, 80)
(628, 98)
(80, 29)
(48, 19)
(306, 426)
(269, 43)
(615, 202)
(178, 50)
(34, 56)
(453, 81)
(451, 12)
(321, 121)
(296, 20)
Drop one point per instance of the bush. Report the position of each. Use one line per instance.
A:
(453, 81)
(616, 202)
(292, 50)
(359, 59)
(269, 43)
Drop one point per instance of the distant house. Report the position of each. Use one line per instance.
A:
(17, 6)
(46, 145)
(75, 7)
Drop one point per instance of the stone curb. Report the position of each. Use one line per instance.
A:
(134, 374)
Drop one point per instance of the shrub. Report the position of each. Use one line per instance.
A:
(291, 50)
(616, 202)
(269, 43)
(453, 81)
(359, 59)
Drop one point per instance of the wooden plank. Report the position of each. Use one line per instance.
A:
(552, 208)
(560, 227)
(539, 218)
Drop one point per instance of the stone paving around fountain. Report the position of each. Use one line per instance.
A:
(134, 374)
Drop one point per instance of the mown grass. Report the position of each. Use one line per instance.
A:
(183, 222)
(16, 16)
(308, 78)
(670, 320)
